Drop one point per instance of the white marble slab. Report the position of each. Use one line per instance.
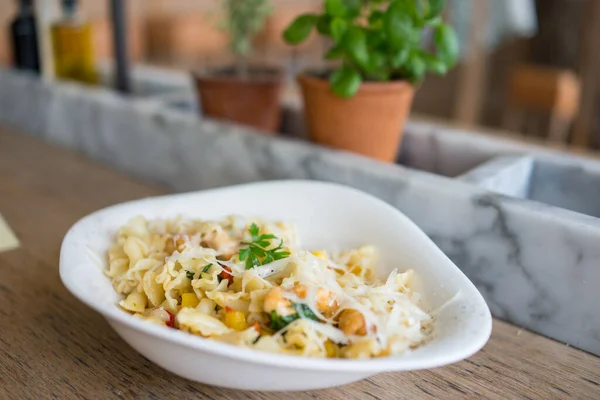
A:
(507, 175)
(537, 266)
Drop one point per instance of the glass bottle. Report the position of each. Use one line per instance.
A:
(24, 39)
(72, 46)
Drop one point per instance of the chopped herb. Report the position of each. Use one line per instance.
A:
(207, 268)
(302, 311)
(278, 322)
(190, 275)
(257, 254)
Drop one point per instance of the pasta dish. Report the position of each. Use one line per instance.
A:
(249, 283)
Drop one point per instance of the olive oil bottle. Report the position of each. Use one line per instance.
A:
(72, 46)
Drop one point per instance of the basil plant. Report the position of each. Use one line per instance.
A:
(379, 40)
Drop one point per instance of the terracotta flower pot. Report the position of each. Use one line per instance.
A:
(371, 123)
(252, 101)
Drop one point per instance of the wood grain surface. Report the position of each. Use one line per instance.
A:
(52, 346)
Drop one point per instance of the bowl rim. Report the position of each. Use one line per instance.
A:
(396, 363)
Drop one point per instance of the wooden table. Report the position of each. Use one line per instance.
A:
(51, 346)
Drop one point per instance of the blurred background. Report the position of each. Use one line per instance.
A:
(504, 43)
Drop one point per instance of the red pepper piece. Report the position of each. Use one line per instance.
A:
(226, 274)
(171, 321)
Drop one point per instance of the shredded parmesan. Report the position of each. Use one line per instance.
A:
(300, 302)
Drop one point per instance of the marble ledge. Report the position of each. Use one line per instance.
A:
(537, 265)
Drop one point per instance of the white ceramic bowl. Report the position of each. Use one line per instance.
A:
(327, 216)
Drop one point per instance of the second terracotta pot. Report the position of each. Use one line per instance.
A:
(371, 123)
(252, 101)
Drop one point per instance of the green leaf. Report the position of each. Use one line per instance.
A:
(323, 24)
(280, 255)
(434, 64)
(335, 53)
(416, 67)
(256, 253)
(377, 66)
(300, 28)
(446, 43)
(376, 18)
(263, 243)
(399, 58)
(190, 275)
(353, 7)
(252, 261)
(253, 230)
(435, 8)
(412, 8)
(207, 267)
(278, 322)
(355, 43)
(415, 38)
(302, 311)
(338, 28)
(376, 39)
(279, 246)
(398, 25)
(335, 8)
(268, 259)
(345, 81)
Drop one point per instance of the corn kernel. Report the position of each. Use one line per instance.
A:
(189, 300)
(331, 349)
(320, 254)
(236, 320)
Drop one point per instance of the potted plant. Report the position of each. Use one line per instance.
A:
(242, 93)
(382, 55)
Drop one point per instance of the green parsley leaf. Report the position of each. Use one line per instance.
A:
(257, 252)
(189, 274)
(280, 255)
(253, 231)
(244, 253)
(207, 268)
